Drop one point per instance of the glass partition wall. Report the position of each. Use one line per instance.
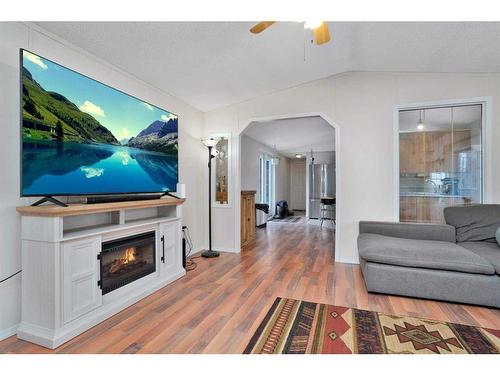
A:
(440, 160)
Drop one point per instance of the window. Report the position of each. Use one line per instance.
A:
(440, 160)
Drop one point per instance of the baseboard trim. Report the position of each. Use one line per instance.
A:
(11, 331)
(348, 261)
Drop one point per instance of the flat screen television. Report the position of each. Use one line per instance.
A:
(82, 137)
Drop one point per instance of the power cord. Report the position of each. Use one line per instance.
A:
(11, 276)
(190, 263)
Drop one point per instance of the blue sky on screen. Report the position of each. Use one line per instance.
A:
(122, 114)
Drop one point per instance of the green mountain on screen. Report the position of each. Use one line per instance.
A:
(51, 116)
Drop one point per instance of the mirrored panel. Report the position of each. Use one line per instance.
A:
(222, 171)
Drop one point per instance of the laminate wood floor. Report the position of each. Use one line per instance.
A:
(217, 307)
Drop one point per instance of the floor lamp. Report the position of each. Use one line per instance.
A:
(210, 143)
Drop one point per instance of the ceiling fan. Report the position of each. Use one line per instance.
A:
(320, 30)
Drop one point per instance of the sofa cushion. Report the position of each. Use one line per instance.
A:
(474, 223)
(498, 236)
(421, 253)
(488, 250)
(414, 231)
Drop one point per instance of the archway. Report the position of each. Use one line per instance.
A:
(237, 147)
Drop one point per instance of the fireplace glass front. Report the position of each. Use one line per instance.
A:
(126, 260)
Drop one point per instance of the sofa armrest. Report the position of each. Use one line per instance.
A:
(414, 231)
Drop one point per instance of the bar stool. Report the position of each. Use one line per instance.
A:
(327, 209)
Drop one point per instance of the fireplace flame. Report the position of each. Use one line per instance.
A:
(127, 257)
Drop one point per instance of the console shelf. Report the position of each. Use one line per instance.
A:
(82, 209)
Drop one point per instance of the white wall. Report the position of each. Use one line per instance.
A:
(18, 35)
(361, 105)
(251, 150)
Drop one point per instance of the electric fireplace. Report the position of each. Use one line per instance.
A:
(126, 260)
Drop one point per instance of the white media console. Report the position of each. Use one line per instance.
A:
(61, 252)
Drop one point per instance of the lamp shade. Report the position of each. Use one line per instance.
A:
(210, 142)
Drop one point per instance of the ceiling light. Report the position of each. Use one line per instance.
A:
(312, 24)
(420, 123)
(298, 156)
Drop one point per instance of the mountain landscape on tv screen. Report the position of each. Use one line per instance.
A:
(51, 116)
(68, 150)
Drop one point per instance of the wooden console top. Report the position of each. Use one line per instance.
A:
(82, 209)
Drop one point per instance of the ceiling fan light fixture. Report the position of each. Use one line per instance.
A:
(298, 156)
(312, 24)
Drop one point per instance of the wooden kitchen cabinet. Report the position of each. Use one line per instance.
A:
(427, 209)
(438, 151)
(407, 209)
(247, 216)
(431, 152)
(412, 153)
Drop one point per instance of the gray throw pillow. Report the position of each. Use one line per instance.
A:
(498, 236)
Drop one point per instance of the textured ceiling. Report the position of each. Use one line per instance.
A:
(214, 64)
(292, 136)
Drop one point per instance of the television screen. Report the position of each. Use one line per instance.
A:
(81, 137)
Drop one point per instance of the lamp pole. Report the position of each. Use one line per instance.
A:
(210, 253)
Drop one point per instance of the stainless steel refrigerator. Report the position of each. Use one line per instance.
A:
(321, 184)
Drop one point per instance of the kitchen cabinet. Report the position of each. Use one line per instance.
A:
(431, 152)
(438, 152)
(427, 209)
(412, 153)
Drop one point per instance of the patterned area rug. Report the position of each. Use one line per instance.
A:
(298, 327)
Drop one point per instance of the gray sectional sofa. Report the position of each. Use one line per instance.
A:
(457, 262)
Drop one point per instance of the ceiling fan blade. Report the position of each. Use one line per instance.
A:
(261, 26)
(321, 34)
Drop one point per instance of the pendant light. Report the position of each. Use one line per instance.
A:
(420, 123)
(275, 160)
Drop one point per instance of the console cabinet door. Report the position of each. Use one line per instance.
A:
(169, 246)
(81, 293)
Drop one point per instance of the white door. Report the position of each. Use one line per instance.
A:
(81, 292)
(298, 185)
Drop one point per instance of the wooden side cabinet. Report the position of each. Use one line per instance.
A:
(247, 216)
